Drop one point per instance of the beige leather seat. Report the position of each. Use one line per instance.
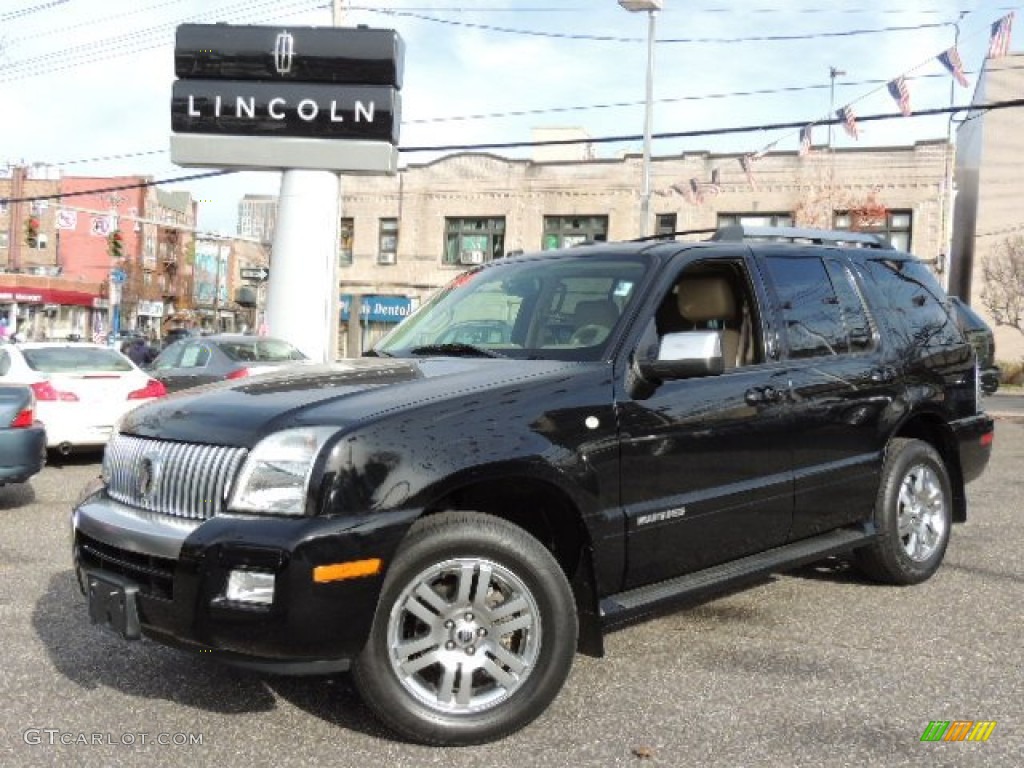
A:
(701, 300)
(598, 317)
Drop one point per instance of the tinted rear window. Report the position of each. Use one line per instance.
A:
(75, 359)
(916, 303)
(260, 351)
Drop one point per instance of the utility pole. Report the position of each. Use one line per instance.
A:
(15, 232)
(946, 230)
(833, 73)
(338, 20)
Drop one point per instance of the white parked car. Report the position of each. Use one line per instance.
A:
(81, 389)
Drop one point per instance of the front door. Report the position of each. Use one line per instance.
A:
(706, 463)
(706, 472)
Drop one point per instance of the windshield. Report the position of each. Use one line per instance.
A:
(552, 308)
(71, 359)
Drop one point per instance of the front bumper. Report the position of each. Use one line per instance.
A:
(181, 570)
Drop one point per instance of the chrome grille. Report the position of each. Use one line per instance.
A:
(181, 479)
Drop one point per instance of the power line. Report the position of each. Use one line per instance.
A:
(145, 39)
(28, 11)
(720, 131)
(1011, 103)
(689, 11)
(119, 187)
(690, 40)
(557, 110)
(63, 30)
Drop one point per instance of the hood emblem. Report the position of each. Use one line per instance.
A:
(149, 475)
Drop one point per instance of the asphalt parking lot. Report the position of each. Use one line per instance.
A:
(814, 668)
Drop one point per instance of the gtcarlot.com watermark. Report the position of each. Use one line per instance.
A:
(52, 737)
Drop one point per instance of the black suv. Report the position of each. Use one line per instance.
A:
(642, 424)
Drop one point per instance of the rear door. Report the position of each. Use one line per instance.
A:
(184, 364)
(843, 387)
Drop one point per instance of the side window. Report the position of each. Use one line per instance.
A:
(715, 296)
(170, 357)
(859, 330)
(195, 356)
(811, 313)
(5, 363)
(916, 304)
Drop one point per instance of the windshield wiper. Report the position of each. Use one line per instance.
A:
(455, 349)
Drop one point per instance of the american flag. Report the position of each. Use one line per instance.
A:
(999, 42)
(98, 336)
(805, 140)
(899, 91)
(849, 120)
(950, 59)
(746, 163)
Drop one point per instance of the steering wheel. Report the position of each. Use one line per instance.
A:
(589, 335)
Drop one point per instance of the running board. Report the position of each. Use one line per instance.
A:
(628, 606)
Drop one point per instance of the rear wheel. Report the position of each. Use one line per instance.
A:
(474, 635)
(914, 515)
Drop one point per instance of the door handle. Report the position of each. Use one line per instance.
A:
(883, 375)
(763, 395)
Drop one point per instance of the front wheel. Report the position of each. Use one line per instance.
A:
(913, 513)
(474, 635)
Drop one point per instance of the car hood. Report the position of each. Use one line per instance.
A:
(344, 393)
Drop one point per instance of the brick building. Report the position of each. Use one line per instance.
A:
(66, 282)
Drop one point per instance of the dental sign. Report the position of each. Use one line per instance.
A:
(289, 85)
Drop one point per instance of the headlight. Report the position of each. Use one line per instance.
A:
(275, 476)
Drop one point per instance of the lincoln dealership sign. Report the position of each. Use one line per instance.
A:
(258, 109)
(296, 97)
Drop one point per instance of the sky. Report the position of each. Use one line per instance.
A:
(85, 85)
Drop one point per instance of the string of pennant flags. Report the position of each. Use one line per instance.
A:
(998, 47)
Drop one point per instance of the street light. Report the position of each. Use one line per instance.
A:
(651, 7)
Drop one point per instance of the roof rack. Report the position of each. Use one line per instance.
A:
(738, 233)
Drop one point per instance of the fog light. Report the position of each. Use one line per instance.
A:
(251, 587)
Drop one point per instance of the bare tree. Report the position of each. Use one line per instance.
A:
(1003, 290)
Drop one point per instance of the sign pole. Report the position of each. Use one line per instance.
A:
(299, 299)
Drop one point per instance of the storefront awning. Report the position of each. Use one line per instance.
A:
(46, 296)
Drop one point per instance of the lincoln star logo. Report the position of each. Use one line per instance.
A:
(284, 53)
(149, 475)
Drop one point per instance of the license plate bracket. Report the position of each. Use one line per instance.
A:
(113, 603)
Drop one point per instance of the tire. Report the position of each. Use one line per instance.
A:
(913, 513)
(435, 622)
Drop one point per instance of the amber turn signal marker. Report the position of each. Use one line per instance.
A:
(351, 570)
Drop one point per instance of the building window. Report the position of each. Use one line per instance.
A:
(895, 225)
(388, 242)
(473, 241)
(755, 220)
(346, 236)
(3, 206)
(3, 240)
(665, 224)
(566, 231)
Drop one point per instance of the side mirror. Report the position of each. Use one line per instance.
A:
(683, 355)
